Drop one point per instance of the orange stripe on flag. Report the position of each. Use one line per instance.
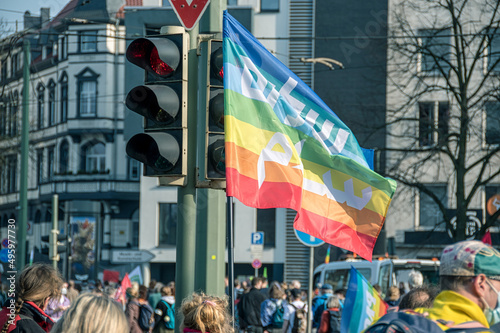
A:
(365, 221)
(246, 165)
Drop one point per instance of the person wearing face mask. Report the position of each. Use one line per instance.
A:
(470, 285)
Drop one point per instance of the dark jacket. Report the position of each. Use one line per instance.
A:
(249, 308)
(160, 313)
(132, 314)
(31, 319)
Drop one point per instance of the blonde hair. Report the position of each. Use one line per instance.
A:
(36, 283)
(206, 313)
(92, 313)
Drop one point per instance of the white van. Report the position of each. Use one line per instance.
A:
(384, 272)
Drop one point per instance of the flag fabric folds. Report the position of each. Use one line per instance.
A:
(362, 306)
(286, 149)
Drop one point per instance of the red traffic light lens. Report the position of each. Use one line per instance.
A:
(158, 66)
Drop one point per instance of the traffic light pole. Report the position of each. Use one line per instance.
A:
(186, 195)
(23, 188)
(211, 238)
(55, 230)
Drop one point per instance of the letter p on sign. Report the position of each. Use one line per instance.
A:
(258, 238)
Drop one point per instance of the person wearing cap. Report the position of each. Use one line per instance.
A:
(319, 303)
(470, 285)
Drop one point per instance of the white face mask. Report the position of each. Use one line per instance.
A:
(492, 315)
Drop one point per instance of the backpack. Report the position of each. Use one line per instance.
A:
(169, 316)
(300, 320)
(146, 316)
(403, 322)
(277, 319)
(334, 317)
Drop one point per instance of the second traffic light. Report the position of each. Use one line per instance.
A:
(162, 101)
(215, 167)
(56, 245)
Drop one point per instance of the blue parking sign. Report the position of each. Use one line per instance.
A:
(308, 240)
(258, 238)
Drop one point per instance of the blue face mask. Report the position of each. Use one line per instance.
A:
(493, 315)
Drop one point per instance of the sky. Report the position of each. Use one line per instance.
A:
(12, 10)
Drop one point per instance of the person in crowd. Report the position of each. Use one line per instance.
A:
(340, 293)
(152, 285)
(265, 287)
(421, 297)
(295, 304)
(204, 313)
(35, 285)
(72, 291)
(57, 305)
(295, 284)
(92, 313)
(470, 284)
(275, 302)
(393, 297)
(132, 310)
(245, 286)
(415, 279)
(319, 303)
(330, 318)
(164, 311)
(155, 295)
(249, 308)
(171, 285)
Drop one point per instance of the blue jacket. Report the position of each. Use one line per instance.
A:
(318, 306)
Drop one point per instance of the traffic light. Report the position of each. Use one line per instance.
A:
(162, 101)
(55, 245)
(215, 167)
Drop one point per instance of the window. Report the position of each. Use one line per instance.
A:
(493, 51)
(88, 100)
(52, 103)
(4, 70)
(433, 123)
(64, 157)
(3, 120)
(63, 48)
(14, 64)
(12, 173)
(64, 98)
(430, 214)
(168, 224)
(95, 158)
(88, 41)
(39, 166)
(435, 50)
(269, 5)
(232, 2)
(135, 229)
(266, 222)
(50, 162)
(134, 169)
(492, 130)
(41, 105)
(14, 107)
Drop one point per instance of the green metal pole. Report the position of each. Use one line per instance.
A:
(55, 230)
(23, 186)
(211, 238)
(186, 195)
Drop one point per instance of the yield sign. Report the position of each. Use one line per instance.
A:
(189, 11)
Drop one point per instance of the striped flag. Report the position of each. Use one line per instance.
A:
(286, 149)
(362, 306)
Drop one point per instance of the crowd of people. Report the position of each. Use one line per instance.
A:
(468, 300)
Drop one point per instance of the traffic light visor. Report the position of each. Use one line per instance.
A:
(161, 104)
(159, 56)
(160, 151)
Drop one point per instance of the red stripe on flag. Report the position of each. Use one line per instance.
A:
(335, 233)
(269, 195)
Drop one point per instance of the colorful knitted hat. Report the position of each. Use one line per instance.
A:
(470, 258)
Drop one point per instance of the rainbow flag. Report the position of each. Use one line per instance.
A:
(327, 257)
(362, 305)
(286, 149)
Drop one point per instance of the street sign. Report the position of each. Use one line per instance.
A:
(256, 263)
(308, 240)
(129, 256)
(5, 242)
(189, 12)
(258, 238)
(493, 204)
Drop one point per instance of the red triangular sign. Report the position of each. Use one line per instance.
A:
(189, 11)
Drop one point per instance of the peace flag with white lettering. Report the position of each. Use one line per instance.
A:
(286, 149)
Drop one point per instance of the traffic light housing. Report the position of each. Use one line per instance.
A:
(215, 167)
(55, 245)
(162, 101)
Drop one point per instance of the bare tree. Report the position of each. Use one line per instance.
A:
(443, 101)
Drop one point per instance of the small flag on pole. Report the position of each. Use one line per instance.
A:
(487, 238)
(327, 258)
